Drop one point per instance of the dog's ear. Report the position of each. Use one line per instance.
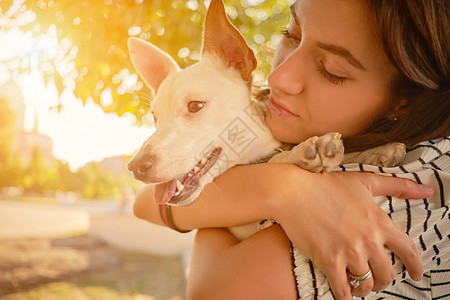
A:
(152, 64)
(222, 39)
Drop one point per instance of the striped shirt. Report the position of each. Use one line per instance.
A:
(426, 221)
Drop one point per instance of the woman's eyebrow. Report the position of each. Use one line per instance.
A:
(334, 49)
(343, 52)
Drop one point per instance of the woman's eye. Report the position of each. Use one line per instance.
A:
(195, 106)
(295, 40)
(338, 80)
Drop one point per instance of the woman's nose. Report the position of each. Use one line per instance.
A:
(287, 76)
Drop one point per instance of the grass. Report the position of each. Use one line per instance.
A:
(135, 276)
(70, 291)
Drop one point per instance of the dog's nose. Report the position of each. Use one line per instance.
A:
(140, 165)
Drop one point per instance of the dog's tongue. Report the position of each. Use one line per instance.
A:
(165, 191)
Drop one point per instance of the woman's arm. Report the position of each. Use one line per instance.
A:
(240, 196)
(245, 194)
(331, 217)
(256, 268)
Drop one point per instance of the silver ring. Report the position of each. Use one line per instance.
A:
(356, 280)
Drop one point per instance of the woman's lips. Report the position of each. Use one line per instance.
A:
(278, 109)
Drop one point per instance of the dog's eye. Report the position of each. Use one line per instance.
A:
(195, 106)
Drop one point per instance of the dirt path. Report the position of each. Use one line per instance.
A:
(82, 267)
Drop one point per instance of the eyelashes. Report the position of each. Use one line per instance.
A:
(295, 41)
(338, 80)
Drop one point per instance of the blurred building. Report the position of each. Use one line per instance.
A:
(13, 93)
(25, 141)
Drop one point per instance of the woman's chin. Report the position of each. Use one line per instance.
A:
(285, 132)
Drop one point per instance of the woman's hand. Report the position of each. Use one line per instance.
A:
(333, 219)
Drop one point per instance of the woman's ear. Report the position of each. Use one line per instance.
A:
(152, 64)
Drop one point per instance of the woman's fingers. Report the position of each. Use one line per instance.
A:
(382, 270)
(339, 284)
(406, 250)
(360, 278)
(397, 187)
(395, 239)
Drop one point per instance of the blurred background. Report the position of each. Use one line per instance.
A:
(72, 112)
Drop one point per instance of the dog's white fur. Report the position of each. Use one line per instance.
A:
(181, 137)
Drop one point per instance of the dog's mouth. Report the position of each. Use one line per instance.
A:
(179, 189)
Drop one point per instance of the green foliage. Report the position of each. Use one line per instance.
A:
(68, 181)
(11, 171)
(97, 183)
(39, 177)
(9, 163)
(93, 36)
(7, 119)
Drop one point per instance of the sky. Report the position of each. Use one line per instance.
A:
(80, 133)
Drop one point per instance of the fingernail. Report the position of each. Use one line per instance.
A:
(418, 277)
(426, 188)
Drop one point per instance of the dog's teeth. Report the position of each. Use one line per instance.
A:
(180, 186)
(189, 175)
(203, 161)
(177, 193)
(196, 169)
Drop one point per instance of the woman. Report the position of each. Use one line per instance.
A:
(375, 71)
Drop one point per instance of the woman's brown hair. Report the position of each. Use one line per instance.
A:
(416, 38)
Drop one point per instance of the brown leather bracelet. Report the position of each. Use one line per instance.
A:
(166, 217)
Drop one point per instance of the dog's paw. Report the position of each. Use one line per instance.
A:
(307, 156)
(320, 153)
(331, 150)
(390, 155)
